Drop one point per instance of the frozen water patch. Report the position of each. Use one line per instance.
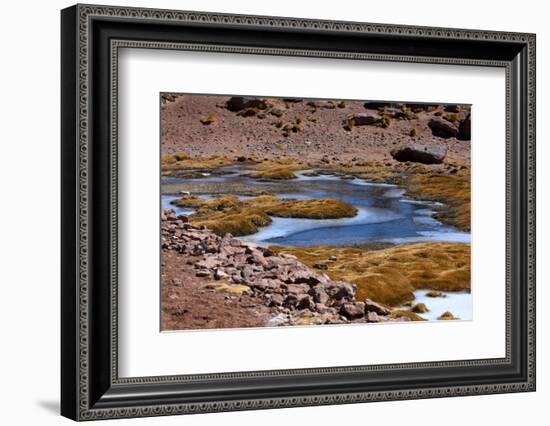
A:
(433, 236)
(165, 204)
(394, 193)
(283, 227)
(460, 304)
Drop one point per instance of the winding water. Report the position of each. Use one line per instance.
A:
(385, 214)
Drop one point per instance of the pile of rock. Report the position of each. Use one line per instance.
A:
(278, 280)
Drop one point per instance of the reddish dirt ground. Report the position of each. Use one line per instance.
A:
(187, 305)
(232, 135)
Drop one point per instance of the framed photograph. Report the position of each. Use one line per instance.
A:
(263, 212)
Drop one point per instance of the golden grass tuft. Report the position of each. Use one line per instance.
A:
(228, 214)
(391, 275)
(406, 314)
(227, 288)
(453, 190)
(312, 208)
(182, 161)
(209, 120)
(279, 173)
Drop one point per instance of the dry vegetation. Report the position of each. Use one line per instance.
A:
(453, 190)
(228, 214)
(391, 275)
(182, 161)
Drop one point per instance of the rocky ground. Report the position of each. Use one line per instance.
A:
(321, 132)
(210, 281)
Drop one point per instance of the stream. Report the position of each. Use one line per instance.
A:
(385, 215)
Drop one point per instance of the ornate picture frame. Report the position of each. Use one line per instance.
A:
(91, 37)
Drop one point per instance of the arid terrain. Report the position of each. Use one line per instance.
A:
(249, 185)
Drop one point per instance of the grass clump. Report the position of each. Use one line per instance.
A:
(453, 190)
(280, 173)
(209, 120)
(228, 214)
(181, 162)
(406, 314)
(313, 208)
(413, 133)
(391, 275)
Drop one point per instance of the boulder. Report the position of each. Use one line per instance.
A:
(419, 308)
(447, 316)
(238, 103)
(365, 119)
(305, 302)
(340, 290)
(372, 317)
(452, 108)
(435, 293)
(464, 129)
(442, 128)
(417, 153)
(375, 105)
(353, 310)
(319, 295)
(371, 306)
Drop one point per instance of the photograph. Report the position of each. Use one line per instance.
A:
(290, 211)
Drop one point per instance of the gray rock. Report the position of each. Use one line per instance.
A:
(442, 128)
(365, 119)
(319, 295)
(238, 103)
(464, 129)
(353, 310)
(322, 266)
(371, 306)
(372, 317)
(417, 153)
(277, 321)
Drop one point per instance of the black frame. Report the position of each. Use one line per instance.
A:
(90, 386)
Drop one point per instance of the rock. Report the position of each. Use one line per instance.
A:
(464, 129)
(203, 273)
(176, 282)
(340, 290)
(372, 317)
(435, 293)
(266, 284)
(319, 295)
(417, 153)
(452, 108)
(291, 300)
(238, 103)
(442, 128)
(353, 310)
(447, 316)
(371, 306)
(305, 302)
(277, 321)
(276, 300)
(365, 119)
(220, 274)
(419, 308)
(297, 288)
(208, 263)
(333, 258)
(322, 266)
(375, 105)
(258, 258)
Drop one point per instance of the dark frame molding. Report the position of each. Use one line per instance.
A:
(91, 37)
